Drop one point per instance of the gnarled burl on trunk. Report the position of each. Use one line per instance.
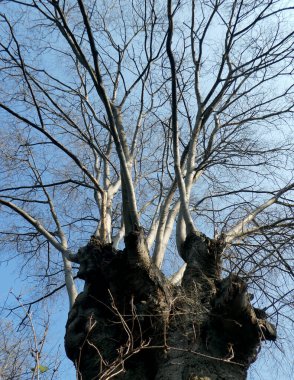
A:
(130, 322)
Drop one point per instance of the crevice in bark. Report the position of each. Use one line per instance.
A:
(236, 328)
(131, 323)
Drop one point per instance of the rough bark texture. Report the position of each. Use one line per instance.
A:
(131, 323)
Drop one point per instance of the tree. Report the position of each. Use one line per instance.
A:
(22, 355)
(144, 132)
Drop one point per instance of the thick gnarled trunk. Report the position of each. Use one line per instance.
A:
(131, 323)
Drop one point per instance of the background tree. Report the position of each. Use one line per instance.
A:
(166, 125)
(23, 353)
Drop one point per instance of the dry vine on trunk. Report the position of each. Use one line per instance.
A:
(130, 322)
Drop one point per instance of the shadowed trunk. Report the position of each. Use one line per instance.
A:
(130, 322)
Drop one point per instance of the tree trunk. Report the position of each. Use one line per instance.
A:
(130, 322)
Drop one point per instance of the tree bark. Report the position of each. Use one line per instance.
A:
(130, 322)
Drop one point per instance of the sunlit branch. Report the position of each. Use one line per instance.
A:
(241, 228)
(177, 166)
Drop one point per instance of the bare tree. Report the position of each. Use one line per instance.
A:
(22, 352)
(158, 132)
